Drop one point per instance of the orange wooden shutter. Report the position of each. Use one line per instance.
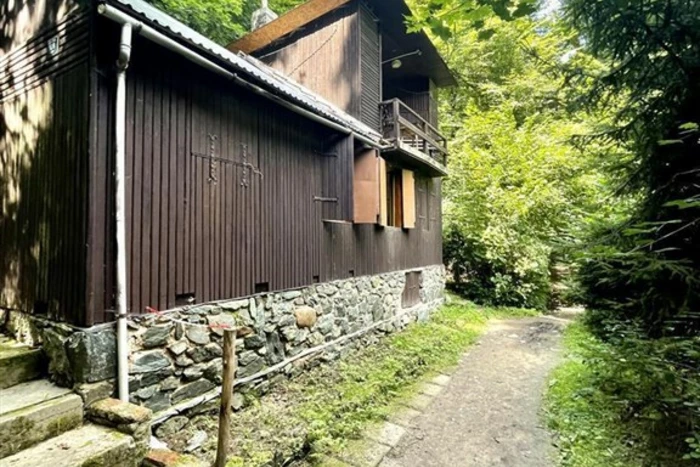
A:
(383, 194)
(366, 187)
(409, 199)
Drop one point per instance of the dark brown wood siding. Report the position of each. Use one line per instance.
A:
(228, 193)
(370, 67)
(324, 57)
(363, 249)
(44, 81)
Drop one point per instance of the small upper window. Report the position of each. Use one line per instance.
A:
(399, 198)
(394, 198)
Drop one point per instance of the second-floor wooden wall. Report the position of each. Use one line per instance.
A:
(337, 56)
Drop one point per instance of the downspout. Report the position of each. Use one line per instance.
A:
(120, 172)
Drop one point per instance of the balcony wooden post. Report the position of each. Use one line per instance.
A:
(397, 117)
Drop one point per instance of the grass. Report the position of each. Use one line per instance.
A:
(361, 390)
(589, 407)
(318, 412)
(623, 403)
(585, 420)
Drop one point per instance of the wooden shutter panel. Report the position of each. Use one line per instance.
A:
(409, 199)
(366, 187)
(383, 194)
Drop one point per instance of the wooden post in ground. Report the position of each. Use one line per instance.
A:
(230, 364)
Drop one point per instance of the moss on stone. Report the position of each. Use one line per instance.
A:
(30, 425)
(19, 364)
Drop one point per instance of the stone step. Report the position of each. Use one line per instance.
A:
(87, 446)
(35, 411)
(18, 362)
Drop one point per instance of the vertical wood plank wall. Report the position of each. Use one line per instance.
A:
(44, 77)
(324, 57)
(370, 68)
(229, 195)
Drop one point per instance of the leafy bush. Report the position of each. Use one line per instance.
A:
(493, 279)
(518, 187)
(627, 400)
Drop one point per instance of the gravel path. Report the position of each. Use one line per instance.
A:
(488, 414)
(485, 413)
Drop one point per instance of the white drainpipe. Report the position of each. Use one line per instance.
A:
(120, 173)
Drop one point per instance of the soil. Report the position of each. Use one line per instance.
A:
(489, 415)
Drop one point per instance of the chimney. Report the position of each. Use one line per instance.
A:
(262, 16)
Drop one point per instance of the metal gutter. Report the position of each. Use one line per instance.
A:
(161, 39)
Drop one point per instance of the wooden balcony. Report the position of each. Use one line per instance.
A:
(415, 142)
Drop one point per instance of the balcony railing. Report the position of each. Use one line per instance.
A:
(410, 132)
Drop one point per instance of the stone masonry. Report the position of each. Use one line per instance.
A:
(176, 356)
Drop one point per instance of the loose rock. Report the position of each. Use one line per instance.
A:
(306, 317)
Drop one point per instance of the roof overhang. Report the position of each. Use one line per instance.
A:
(261, 76)
(397, 41)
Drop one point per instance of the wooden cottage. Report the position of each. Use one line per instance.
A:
(298, 167)
(228, 193)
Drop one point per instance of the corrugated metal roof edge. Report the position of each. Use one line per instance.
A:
(279, 83)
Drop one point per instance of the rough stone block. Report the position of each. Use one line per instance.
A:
(148, 362)
(431, 390)
(192, 390)
(364, 453)
(221, 322)
(159, 402)
(92, 355)
(93, 392)
(113, 412)
(198, 335)
(168, 458)
(387, 433)
(156, 336)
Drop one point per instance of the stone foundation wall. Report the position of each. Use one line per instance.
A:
(177, 356)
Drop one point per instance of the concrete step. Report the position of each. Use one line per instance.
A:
(18, 362)
(35, 411)
(87, 446)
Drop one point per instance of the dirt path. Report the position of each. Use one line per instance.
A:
(488, 413)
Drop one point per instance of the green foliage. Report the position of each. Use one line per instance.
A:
(223, 21)
(442, 16)
(647, 265)
(518, 187)
(626, 400)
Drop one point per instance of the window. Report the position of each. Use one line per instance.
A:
(394, 198)
(383, 193)
(399, 198)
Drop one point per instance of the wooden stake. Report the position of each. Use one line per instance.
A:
(230, 364)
